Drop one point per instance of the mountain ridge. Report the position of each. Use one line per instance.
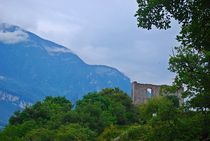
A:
(32, 68)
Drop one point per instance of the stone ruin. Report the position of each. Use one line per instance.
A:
(141, 93)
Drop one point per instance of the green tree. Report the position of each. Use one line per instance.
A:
(74, 132)
(191, 62)
(37, 122)
(99, 110)
(53, 119)
(137, 133)
(110, 133)
(162, 120)
(192, 59)
(40, 134)
(159, 108)
(17, 132)
(42, 112)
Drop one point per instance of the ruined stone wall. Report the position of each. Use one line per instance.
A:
(139, 92)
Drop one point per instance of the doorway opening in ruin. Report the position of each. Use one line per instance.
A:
(149, 93)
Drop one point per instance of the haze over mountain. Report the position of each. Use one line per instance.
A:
(32, 68)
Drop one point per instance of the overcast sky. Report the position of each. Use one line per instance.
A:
(100, 32)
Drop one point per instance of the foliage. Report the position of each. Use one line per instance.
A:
(191, 62)
(42, 112)
(126, 133)
(74, 132)
(38, 122)
(110, 133)
(161, 120)
(169, 91)
(54, 119)
(159, 114)
(192, 59)
(136, 133)
(105, 116)
(40, 134)
(102, 109)
(160, 107)
(174, 99)
(169, 123)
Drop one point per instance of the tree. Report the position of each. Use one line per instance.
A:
(191, 62)
(160, 108)
(40, 134)
(192, 59)
(41, 112)
(74, 132)
(99, 110)
(38, 121)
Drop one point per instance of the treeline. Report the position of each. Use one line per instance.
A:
(105, 116)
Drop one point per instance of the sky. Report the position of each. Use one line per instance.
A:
(101, 32)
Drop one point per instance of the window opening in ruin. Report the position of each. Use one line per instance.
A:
(149, 93)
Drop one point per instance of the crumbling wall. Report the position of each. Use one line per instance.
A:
(139, 92)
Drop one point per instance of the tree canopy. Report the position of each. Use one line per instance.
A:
(105, 116)
(53, 119)
(192, 59)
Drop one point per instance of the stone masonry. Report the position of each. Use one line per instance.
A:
(139, 92)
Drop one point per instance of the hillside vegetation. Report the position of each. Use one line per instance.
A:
(105, 116)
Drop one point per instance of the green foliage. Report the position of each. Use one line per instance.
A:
(126, 133)
(16, 132)
(37, 122)
(174, 99)
(169, 123)
(105, 116)
(40, 134)
(54, 120)
(191, 62)
(159, 108)
(136, 133)
(192, 59)
(110, 133)
(167, 90)
(102, 109)
(74, 132)
(42, 112)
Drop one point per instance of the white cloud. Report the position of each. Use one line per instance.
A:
(53, 50)
(13, 37)
(58, 31)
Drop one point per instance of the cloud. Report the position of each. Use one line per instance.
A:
(54, 50)
(59, 31)
(17, 36)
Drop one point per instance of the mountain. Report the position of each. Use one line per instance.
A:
(32, 68)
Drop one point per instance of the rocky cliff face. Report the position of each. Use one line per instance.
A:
(15, 100)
